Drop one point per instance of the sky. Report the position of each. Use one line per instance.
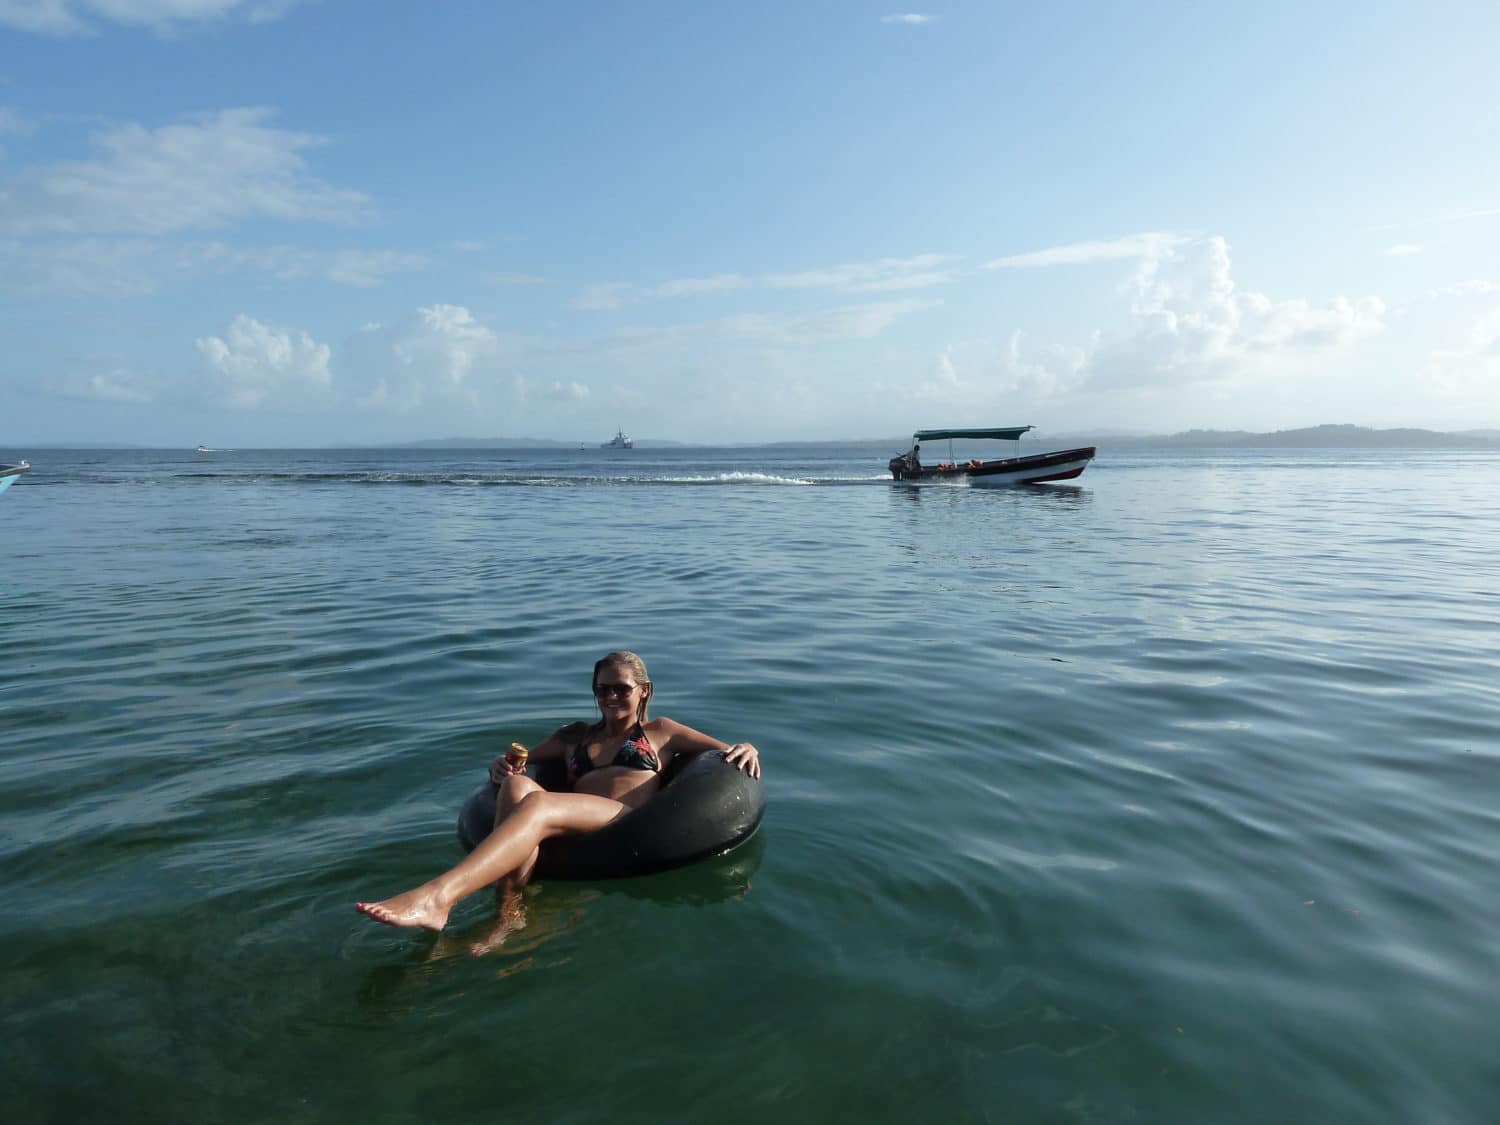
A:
(284, 223)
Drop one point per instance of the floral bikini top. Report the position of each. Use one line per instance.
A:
(634, 753)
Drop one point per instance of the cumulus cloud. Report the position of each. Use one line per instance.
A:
(941, 384)
(117, 384)
(429, 354)
(1470, 368)
(1045, 371)
(206, 171)
(256, 361)
(81, 17)
(1190, 323)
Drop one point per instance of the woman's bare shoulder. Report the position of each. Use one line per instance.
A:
(669, 732)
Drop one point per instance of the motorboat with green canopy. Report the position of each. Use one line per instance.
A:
(9, 473)
(1033, 468)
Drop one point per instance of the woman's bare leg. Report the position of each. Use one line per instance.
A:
(507, 797)
(536, 817)
(510, 907)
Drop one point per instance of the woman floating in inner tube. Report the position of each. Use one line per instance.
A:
(613, 767)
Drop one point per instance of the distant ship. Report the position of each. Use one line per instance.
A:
(203, 449)
(619, 441)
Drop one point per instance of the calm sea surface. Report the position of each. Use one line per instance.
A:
(1168, 796)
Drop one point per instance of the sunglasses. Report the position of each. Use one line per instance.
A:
(614, 691)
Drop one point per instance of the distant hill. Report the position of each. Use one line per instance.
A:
(1311, 437)
(514, 443)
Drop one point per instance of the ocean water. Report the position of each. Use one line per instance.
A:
(1167, 796)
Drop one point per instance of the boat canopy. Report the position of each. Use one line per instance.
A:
(1010, 433)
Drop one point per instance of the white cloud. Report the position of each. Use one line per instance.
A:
(501, 278)
(132, 267)
(1404, 249)
(207, 171)
(848, 322)
(1050, 369)
(556, 390)
(617, 294)
(606, 295)
(1190, 323)
(691, 286)
(881, 276)
(118, 384)
(256, 361)
(1147, 244)
(81, 17)
(430, 354)
(346, 267)
(1477, 287)
(911, 19)
(1465, 216)
(942, 383)
(124, 267)
(1470, 369)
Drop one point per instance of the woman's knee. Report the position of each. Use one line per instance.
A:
(514, 788)
(533, 802)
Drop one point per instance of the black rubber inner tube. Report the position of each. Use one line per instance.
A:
(705, 807)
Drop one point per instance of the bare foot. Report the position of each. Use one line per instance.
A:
(510, 916)
(419, 907)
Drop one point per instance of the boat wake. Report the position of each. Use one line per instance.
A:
(729, 478)
(461, 478)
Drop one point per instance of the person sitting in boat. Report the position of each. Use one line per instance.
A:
(614, 766)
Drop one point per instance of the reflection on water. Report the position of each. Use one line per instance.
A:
(914, 491)
(700, 884)
(523, 925)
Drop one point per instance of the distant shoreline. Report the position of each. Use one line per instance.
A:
(1311, 437)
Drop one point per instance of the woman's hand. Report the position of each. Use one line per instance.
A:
(502, 767)
(743, 756)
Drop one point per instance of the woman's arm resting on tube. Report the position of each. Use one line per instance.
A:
(680, 739)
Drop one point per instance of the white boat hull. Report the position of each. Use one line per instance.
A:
(1066, 471)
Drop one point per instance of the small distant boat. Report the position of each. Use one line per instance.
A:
(9, 473)
(1035, 468)
(203, 449)
(619, 441)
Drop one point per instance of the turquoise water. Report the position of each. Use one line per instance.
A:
(1167, 796)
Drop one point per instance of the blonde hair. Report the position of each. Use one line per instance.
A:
(637, 667)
